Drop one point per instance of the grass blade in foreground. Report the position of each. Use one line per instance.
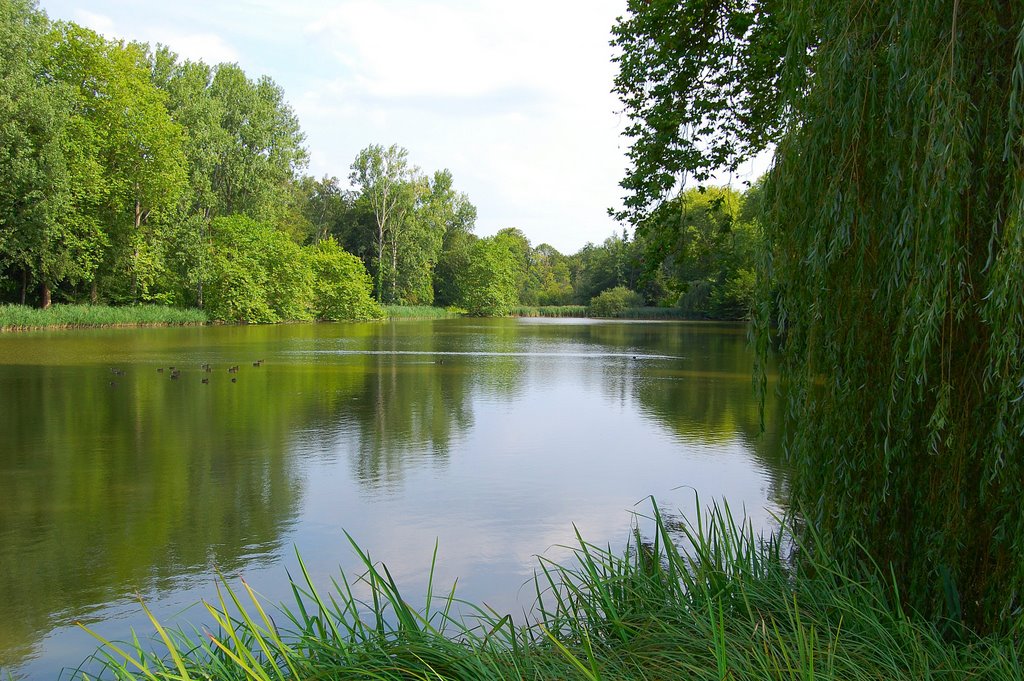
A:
(728, 605)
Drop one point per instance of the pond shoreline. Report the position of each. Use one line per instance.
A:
(18, 318)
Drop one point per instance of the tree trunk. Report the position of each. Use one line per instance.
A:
(46, 294)
(380, 261)
(394, 271)
(24, 283)
(135, 252)
(94, 293)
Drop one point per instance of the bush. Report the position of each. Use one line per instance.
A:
(341, 283)
(614, 301)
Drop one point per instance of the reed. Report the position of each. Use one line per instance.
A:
(655, 313)
(706, 599)
(21, 317)
(420, 312)
(550, 311)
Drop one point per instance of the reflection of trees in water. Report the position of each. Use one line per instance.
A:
(137, 485)
(107, 489)
(412, 406)
(693, 378)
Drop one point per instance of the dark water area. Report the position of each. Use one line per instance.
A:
(492, 438)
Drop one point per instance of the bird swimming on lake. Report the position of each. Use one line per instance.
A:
(234, 380)
(206, 380)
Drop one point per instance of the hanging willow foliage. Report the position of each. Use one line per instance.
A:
(894, 286)
(895, 212)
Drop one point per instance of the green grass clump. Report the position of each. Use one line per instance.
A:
(550, 311)
(654, 313)
(21, 317)
(420, 312)
(729, 606)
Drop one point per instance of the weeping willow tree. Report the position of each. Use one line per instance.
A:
(894, 214)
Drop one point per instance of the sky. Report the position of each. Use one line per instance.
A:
(514, 98)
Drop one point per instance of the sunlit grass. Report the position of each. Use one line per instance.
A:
(728, 607)
(19, 317)
(420, 312)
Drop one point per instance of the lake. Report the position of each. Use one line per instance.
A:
(493, 438)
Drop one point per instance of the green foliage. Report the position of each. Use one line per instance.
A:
(548, 278)
(598, 268)
(902, 343)
(893, 281)
(701, 250)
(726, 607)
(491, 287)
(258, 275)
(613, 302)
(343, 286)
(700, 83)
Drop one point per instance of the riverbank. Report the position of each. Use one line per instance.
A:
(58, 316)
(730, 607)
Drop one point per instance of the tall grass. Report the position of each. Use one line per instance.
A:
(550, 311)
(728, 606)
(420, 312)
(21, 317)
(654, 313)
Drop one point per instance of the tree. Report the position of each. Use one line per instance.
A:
(451, 275)
(383, 176)
(893, 215)
(491, 284)
(598, 268)
(261, 150)
(121, 129)
(701, 82)
(547, 278)
(34, 239)
(701, 250)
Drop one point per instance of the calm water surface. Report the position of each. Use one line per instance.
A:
(491, 437)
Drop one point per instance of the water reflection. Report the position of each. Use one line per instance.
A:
(491, 436)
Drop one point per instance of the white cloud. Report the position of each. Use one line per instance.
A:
(208, 47)
(100, 23)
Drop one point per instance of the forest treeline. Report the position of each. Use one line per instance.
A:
(129, 175)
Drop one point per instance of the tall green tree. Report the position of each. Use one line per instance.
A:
(262, 150)
(894, 214)
(121, 128)
(38, 242)
(548, 279)
(384, 179)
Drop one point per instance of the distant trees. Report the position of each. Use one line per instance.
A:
(699, 252)
(130, 176)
